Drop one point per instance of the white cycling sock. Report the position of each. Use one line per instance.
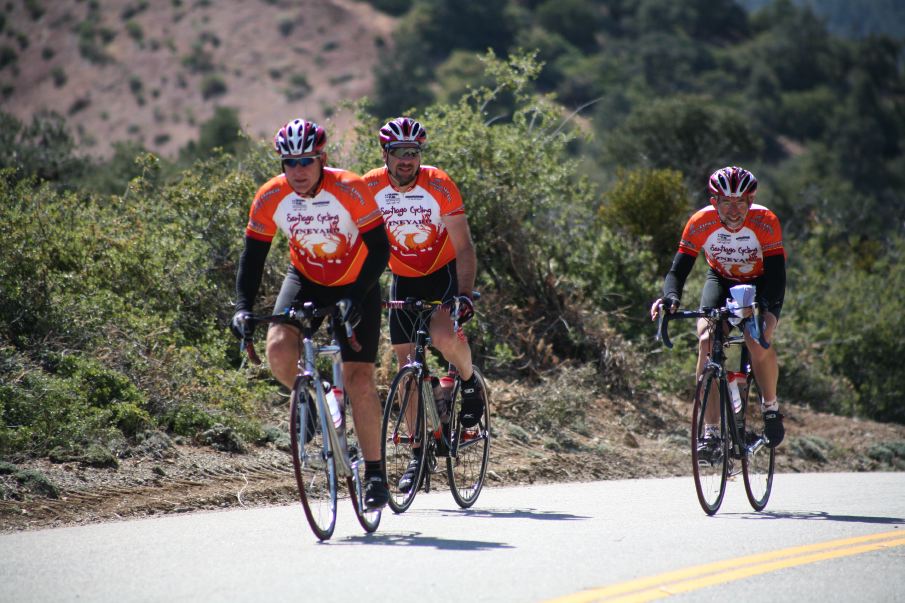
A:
(772, 405)
(711, 430)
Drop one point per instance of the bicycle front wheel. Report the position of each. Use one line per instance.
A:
(466, 465)
(759, 460)
(312, 457)
(369, 520)
(710, 456)
(403, 438)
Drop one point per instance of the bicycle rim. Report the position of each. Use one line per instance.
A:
(403, 436)
(369, 520)
(467, 470)
(710, 474)
(760, 460)
(315, 469)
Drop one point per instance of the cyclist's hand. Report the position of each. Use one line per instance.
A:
(671, 304)
(351, 313)
(465, 309)
(240, 325)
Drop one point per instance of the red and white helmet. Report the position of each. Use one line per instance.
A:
(732, 181)
(299, 137)
(402, 130)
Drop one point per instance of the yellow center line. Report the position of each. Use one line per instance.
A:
(702, 576)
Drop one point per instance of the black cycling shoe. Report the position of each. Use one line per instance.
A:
(408, 478)
(710, 450)
(377, 495)
(472, 404)
(773, 428)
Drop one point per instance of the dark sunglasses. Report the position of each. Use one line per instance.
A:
(300, 162)
(405, 152)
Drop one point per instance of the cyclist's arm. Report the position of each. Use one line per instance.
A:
(674, 282)
(378, 255)
(466, 260)
(774, 282)
(250, 272)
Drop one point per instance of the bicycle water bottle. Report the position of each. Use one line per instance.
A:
(334, 402)
(734, 378)
(443, 396)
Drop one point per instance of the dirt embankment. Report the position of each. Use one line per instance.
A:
(616, 440)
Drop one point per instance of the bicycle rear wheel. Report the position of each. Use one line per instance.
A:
(710, 461)
(403, 436)
(312, 457)
(759, 460)
(466, 465)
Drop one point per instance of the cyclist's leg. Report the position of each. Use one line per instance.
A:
(359, 378)
(443, 285)
(283, 339)
(764, 361)
(766, 371)
(403, 327)
(712, 296)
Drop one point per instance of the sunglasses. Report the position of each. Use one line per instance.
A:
(299, 162)
(727, 201)
(405, 152)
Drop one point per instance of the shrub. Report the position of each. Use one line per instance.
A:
(212, 85)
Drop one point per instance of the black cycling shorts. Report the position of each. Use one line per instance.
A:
(297, 290)
(440, 285)
(716, 291)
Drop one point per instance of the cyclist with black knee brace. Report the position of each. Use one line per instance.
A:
(742, 242)
(432, 255)
(338, 250)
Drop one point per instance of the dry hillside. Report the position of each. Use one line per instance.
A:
(154, 71)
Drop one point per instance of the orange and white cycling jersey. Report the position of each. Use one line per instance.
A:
(324, 231)
(419, 242)
(735, 255)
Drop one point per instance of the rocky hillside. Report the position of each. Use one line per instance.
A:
(152, 72)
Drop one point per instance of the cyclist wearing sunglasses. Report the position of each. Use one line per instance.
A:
(431, 252)
(742, 242)
(338, 249)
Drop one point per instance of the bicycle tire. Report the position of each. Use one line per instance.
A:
(467, 470)
(759, 460)
(710, 474)
(369, 520)
(400, 441)
(314, 463)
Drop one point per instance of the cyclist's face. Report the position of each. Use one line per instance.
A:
(304, 178)
(733, 210)
(402, 164)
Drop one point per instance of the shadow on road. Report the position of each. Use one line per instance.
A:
(417, 539)
(515, 514)
(819, 515)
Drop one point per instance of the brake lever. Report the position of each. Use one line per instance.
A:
(662, 328)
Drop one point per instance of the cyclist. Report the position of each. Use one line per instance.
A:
(338, 250)
(431, 255)
(742, 242)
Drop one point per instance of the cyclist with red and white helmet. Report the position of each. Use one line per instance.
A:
(742, 242)
(432, 255)
(338, 249)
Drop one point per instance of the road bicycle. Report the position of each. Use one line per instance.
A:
(324, 444)
(414, 427)
(740, 432)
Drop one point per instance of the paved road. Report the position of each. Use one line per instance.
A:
(569, 543)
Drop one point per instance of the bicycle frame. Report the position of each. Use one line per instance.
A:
(307, 370)
(413, 431)
(419, 362)
(716, 361)
(331, 455)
